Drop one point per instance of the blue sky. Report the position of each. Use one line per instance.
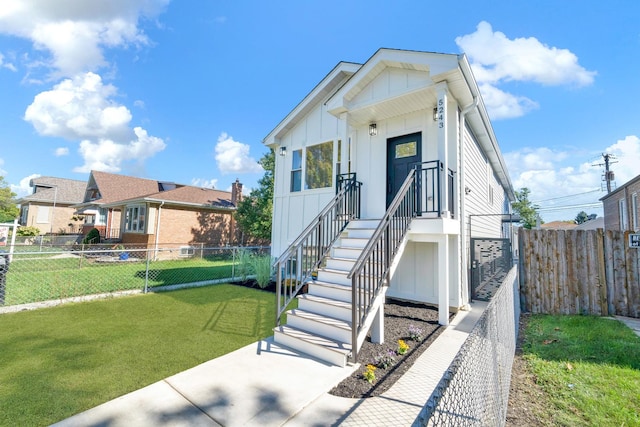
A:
(186, 91)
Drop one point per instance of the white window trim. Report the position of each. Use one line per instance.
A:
(622, 214)
(634, 211)
(137, 229)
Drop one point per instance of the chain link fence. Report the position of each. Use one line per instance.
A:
(36, 273)
(474, 390)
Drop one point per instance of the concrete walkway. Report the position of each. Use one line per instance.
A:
(631, 322)
(265, 384)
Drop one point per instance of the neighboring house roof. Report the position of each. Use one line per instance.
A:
(621, 188)
(115, 190)
(559, 225)
(593, 224)
(347, 79)
(48, 189)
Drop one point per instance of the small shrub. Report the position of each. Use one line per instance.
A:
(369, 374)
(386, 359)
(28, 231)
(262, 267)
(402, 347)
(415, 333)
(243, 264)
(92, 237)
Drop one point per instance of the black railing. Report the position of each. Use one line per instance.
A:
(371, 271)
(428, 188)
(296, 265)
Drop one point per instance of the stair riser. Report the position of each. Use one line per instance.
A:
(351, 253)
(363, 224)
(325, 309)
(360, 233)
(340, 264)
(311, 349)
(348, 242)
(330, 292)
(318, 328)
(334, 277)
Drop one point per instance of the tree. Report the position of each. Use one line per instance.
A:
(255, 211)
(8, 209)
(523, 207)
(581, 217)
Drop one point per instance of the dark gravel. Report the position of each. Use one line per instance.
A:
(398, 317)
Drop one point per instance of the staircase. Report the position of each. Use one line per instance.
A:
(321, 326)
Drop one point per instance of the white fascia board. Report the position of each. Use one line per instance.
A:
(322, 89)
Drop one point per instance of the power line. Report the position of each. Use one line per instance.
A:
(566, 197)
(567, 207)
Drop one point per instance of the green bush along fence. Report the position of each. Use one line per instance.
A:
(36, 275)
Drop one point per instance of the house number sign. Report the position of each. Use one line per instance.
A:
(440, 113)
(634, 240)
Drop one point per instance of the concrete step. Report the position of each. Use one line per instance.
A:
(324, 326)
(330, 290)
(325, 306)
(331, 351)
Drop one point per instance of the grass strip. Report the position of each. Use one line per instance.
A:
(589, 367)
(59, 361)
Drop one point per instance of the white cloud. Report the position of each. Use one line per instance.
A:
(6, 65)
(79, 108)
(496, 59)
(75, 32)
(23, 188)
(61, 151)
(107, 155)
(558, 178)
(204, 183)
(233, 156)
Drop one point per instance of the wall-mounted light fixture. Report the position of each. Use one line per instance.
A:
(435, 114)
(467, 190)
(283, 151)
(373, 129)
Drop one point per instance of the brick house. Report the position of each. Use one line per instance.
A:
(621, 208)
(50, 207)
(154, 213)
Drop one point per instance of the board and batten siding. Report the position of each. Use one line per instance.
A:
(294, 210)
(486, 196)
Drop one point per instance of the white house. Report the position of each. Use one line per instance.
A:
(384, 172)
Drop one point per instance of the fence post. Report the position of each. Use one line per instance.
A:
(146, 274)
(233, 263)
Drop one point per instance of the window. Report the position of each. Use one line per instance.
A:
(296, 171)
(43, 215)
(319, 166)
(634, 211)
(622, 212)
(187, 251)
(339, 162)
(135, 217)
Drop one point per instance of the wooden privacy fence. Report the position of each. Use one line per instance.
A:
(579, 272)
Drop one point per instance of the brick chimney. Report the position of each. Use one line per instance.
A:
(236, 192)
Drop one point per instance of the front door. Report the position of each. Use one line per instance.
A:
(403, 152)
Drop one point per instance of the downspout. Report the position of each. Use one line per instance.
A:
(464, 272)
(155, 256)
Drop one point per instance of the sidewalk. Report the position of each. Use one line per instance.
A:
(264, 384)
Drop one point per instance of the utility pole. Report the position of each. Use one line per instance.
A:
(608, 174)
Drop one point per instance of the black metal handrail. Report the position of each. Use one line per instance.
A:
(371, 271)
(296, 265)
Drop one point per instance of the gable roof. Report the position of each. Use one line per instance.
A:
(348, 79)
(49, 189)
(116, 190)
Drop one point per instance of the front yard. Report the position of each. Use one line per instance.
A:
(575, 370)
(59, 361)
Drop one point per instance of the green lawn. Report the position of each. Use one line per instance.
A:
(59, 361)
(589, 368)
(39, 279)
